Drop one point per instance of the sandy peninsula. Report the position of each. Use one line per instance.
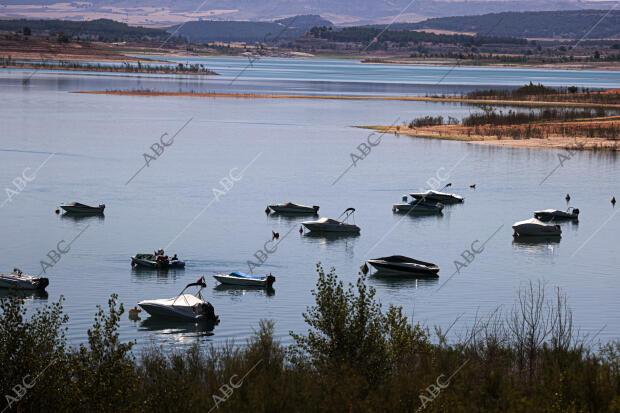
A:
(553, 135)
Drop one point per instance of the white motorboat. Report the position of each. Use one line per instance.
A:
(418, 206)
(556, 214)
(239, 278)
(78, 208)
(20, 281)
(333, 225)
(436, 196)
(535, 227)
(182, 307)
(401, 265)
(291, 208)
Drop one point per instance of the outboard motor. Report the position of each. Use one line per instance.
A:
(576, 211)
(209, 311)
(205, 311)
(270, 280)
(41, 283)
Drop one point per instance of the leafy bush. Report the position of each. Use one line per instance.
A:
(349, 332)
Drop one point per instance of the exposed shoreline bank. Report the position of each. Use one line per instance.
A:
(402, 98)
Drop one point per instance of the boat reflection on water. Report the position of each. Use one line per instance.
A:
(26, 294)
(283, 216)
(419, 214)
(536, 244)
(571, 225)
(240, 290)
(146, 274)
(391, 281)
(82, 217)
(180, 329)
(331, 237)
(398, 216)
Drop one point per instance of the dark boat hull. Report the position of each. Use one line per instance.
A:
(404, 266)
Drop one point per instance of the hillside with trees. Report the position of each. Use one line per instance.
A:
(101, 29)
(572, 24)
(367, 34)
(249, 31)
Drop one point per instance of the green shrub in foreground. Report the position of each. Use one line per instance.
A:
(354, 357)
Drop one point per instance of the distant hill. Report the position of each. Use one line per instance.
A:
(100, 29)
(572, 24)
(306, 21)
(246, 31)
(341, 12)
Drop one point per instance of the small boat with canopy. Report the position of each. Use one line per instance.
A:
(189, 307)
(340, 224)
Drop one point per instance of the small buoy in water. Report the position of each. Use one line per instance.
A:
(57, 210)
(301, 230)
(267, 210)
(276, 235)
(613, 201)
(567, 197)
(473, 186)
(364, 269)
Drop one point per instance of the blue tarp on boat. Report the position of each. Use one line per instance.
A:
(240, 274)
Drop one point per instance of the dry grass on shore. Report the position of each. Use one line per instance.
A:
(591, 134)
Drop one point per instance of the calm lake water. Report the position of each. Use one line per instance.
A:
(86, 148)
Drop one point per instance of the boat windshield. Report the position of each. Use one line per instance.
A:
(346, 214)
(195, 298)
